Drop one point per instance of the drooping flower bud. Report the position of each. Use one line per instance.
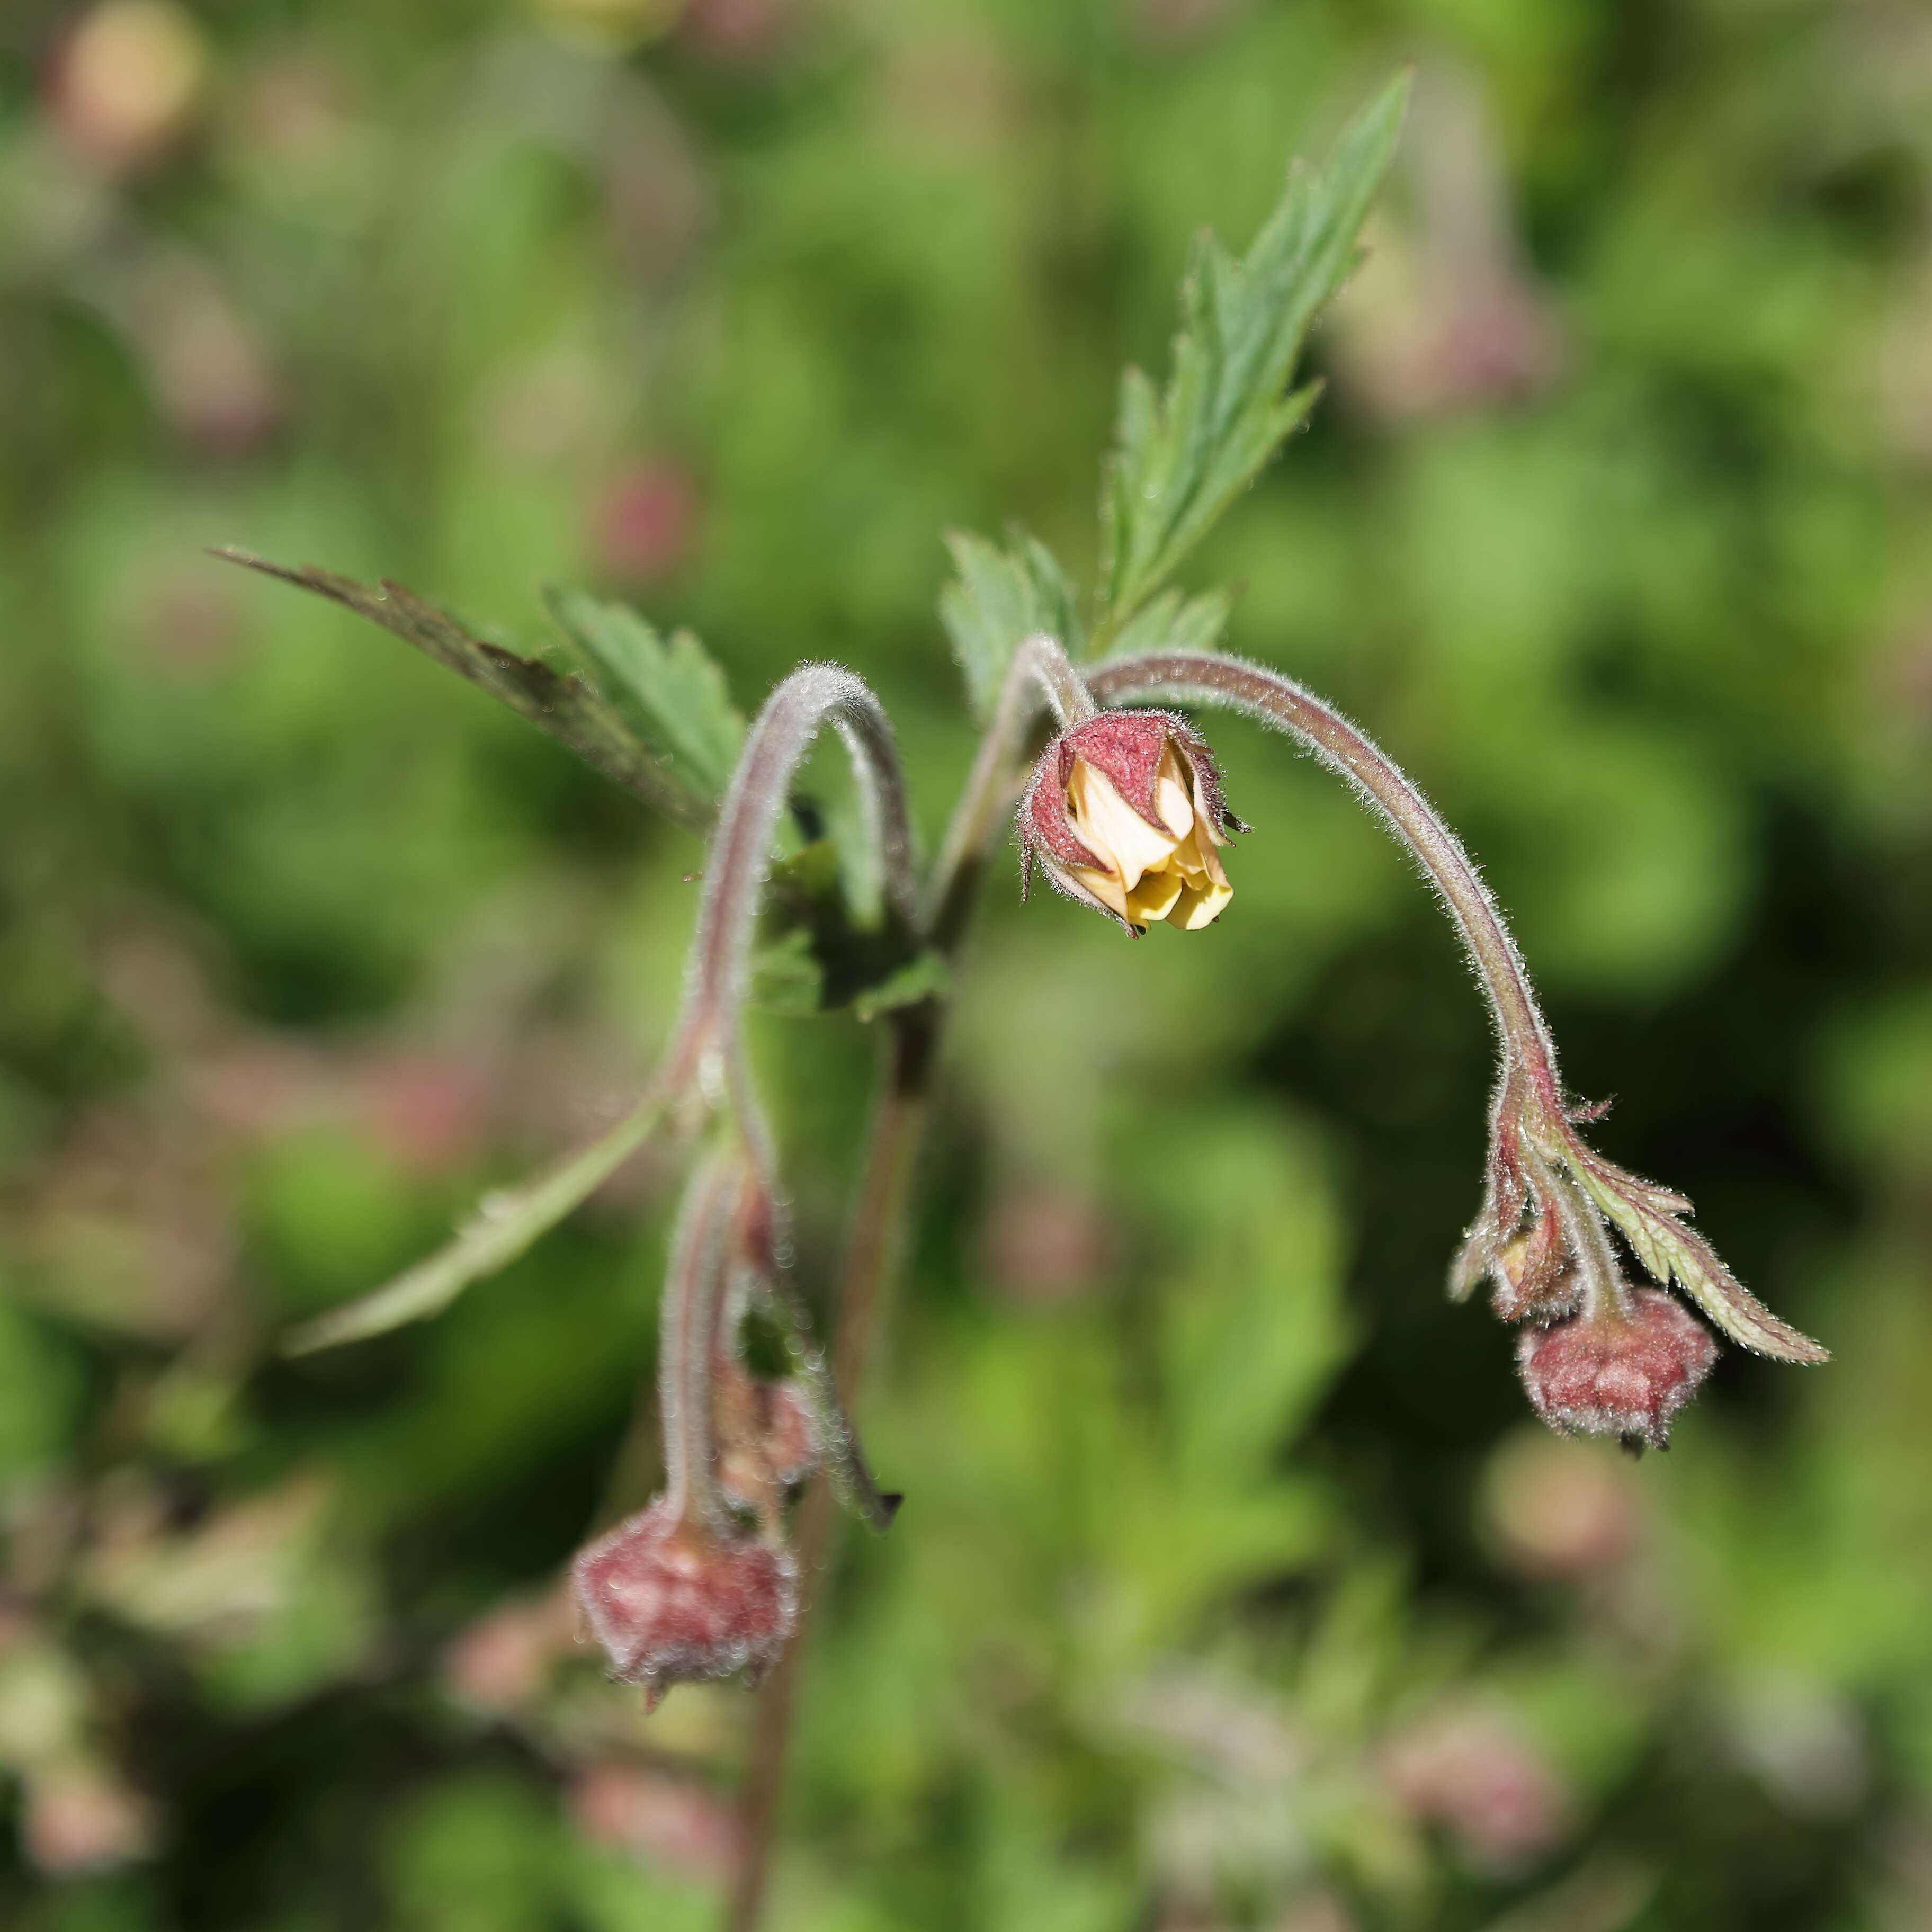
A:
(675, 1601)
(1612, 1371)
(768, 1437)
(1124, 813)
(1534, 1276)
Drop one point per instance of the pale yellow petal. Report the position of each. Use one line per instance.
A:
(1198, 905)
(1110, 828)
(1198, 860)
(1173, 804)
(1153, 898)
(1105, 887)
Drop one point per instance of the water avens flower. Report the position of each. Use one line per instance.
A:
(1124, 813)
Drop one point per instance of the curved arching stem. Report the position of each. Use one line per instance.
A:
(1041, 677)
(718, 970)
(1529, 1054)
(1534, 1148)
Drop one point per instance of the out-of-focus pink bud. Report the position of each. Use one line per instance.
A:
(1618, 1372)
(501, 1660)
(1124, 813)
(671, 1822)
(1449, 316)
(204, 361)
(1474, 1773)
(425, 1112)
(673, 1601)
(82, 1817)
(126, 83)
(644, 522)
(736, 31)
(1045, 1246)
(1559, 1510)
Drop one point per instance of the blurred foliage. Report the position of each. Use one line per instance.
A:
(1233, 1589)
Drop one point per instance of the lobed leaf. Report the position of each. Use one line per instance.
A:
(1168, 621)
(1671, 1252)
(568, 705)
(923, 977)
(504, 1224)
(672, 696)
(1181, 458)
(997, 598)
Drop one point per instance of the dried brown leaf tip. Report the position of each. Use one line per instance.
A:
(1124, 813)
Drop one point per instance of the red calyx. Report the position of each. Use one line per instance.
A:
(674, 1602)
(1623, 1372)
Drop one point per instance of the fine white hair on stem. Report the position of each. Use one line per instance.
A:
(693, 1283)
(1585, 1237)
(718, 970)
(1206, 678)
(1041, 677)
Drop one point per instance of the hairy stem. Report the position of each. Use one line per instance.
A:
(872, 1253)
(719, 967)
(1606, 1294)
(693, 1285)
(1207, 678)
(1041, 677)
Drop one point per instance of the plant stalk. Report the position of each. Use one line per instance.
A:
(693, 1285)
(872, 1249)
(1041, 677)
(1208, 678)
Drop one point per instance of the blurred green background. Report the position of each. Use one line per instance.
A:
(1235, 1588)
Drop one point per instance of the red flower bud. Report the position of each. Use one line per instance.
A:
(673, 1601)
(1124, 813)
(1618, 1372)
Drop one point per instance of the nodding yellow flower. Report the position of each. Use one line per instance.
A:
(1124, 813)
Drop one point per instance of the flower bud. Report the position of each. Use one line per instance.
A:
(1535, 1279)
(1475, 1772)
(767, 1435)
(675, 1601)
(1124, 813)
(1618, 1372)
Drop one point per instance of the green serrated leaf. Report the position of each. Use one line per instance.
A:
(786, 977)
(672, 696)
(1670, 1251)
(504, 1225)
(569, 707)
(919, 979)
(1168, 621)
(1181, 458)
(861, 871)
(997, 597)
